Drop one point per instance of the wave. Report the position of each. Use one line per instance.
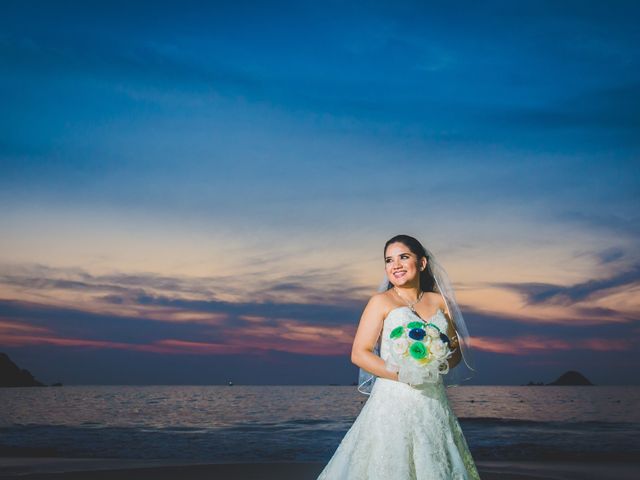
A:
(532, 451)
(525, 423)
(315, 440)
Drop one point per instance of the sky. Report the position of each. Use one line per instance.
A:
(198, 192)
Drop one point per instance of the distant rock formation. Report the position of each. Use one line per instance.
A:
(568, 378)
(12, 376)
(571, 378)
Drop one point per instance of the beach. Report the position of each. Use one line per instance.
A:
(106, 469)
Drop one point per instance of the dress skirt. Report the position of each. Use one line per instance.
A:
(403, 433)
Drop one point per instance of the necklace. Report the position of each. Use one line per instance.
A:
(409, 304)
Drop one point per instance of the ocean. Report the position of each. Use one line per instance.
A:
(304, 423)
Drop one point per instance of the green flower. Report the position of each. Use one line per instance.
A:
(397, 332)
(418, 350)
(411, 325)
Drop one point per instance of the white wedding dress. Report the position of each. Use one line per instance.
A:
(402, 432)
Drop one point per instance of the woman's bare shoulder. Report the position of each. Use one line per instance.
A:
(437, 299)
(380, 302)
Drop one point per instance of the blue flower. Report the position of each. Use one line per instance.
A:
(445, 339)
(417, 333)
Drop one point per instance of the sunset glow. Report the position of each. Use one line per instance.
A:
(205, 199)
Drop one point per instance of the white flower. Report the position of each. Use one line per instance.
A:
(400, 346)
(443, 368)
(432, 331)
(438, 349)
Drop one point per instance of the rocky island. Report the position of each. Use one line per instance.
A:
(571, 378)
(13, 376)
(566, 379)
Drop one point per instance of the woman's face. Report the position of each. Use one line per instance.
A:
(402, 265)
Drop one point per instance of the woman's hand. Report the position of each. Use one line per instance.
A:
(454, 344)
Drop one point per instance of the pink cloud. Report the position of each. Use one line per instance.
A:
(534, 344)
(7, 326)
(290, 336)
(603, 345)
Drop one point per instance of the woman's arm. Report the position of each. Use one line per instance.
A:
(366, 337)
(452, 334)
(453, 337)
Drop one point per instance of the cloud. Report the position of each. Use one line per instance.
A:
(71, 308)
(629, 226)
(610, 255)
(550, 294)
(565, 340)
(314, 287)
(68, 322)
(109, 59)
(614, 108)
(531, 344)
(21, 328)
(43, 276)
(40, 325)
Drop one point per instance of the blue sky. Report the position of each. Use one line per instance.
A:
(204, 185)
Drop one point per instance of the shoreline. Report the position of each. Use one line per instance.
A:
(56, 468)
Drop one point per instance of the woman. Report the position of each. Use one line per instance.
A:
(406, 431)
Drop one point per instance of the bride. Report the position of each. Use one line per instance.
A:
(406, 429)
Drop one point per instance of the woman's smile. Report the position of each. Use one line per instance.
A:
(399, 274)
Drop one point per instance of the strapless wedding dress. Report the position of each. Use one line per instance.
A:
(403, 432)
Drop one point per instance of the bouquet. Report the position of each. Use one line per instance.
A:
(419, 352)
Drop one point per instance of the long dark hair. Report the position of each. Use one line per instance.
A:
(427, 281)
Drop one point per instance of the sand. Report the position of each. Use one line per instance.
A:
(112, 469)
